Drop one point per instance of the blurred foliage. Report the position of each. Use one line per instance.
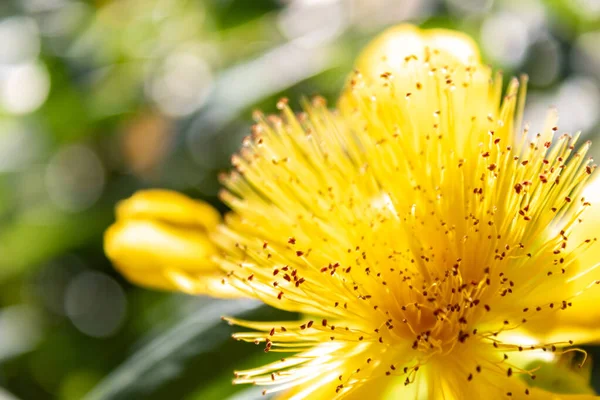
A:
(100, 98)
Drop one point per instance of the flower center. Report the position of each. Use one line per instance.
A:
(438, 314)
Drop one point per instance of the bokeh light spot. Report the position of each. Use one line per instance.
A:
(96, 304)
(75, 178)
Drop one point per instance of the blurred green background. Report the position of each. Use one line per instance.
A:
(101, 98)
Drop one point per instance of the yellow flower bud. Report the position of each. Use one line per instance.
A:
(161, 239)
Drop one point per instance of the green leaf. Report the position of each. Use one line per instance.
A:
(55, 233)
(163, 358)
(221, 387)
(560, 377)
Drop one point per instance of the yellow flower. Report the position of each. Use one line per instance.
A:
(434, 244)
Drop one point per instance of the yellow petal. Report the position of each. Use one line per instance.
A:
(581, 322)
(208, 284)
(517, 389)
(561, 396)
(419, 84)
(391, 50)
(152, 279)
(447, 381)
(150, 245)
(375, 388)
(172, 207)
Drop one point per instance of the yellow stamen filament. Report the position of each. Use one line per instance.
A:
(404, 245)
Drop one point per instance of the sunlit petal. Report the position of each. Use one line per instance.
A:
(169, 206)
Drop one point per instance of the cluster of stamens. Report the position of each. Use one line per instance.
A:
(408, 236)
